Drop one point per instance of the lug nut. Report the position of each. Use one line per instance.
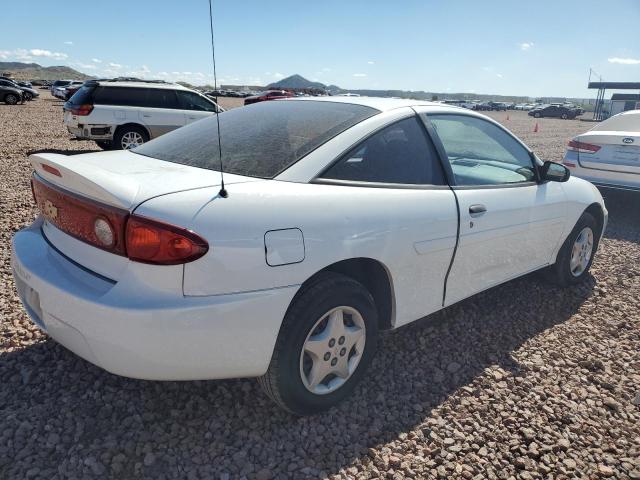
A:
(327, 356)
(333, 362)
(332, 342)
(341, 340)
(343, 351)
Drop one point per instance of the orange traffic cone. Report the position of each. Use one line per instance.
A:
(535, 129)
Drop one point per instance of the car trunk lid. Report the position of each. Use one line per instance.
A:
(618, 152)
(119, 180)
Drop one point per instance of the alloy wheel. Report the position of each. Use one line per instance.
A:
(332, 350)
(131, 140)
(581, 252)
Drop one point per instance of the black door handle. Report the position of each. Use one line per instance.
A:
(477, 209)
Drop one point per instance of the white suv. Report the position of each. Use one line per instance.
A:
(124, 114)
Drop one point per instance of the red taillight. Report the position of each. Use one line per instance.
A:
(81, 110)
(113, 229)
(568, 164)
(152, 241)
(82, 218)
(582, 147)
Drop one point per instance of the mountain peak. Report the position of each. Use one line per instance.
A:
(296, 81)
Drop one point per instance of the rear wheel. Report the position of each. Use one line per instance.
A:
(576, 255)
(129, 136)
(27, 96)
(537, 115)
(326, 342)
(11, 99)
(564, 116)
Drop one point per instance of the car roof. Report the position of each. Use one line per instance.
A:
(172, 86)
(379, 103)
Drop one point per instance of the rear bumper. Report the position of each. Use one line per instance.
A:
(600, 177)
(140, 333)
(92, 132)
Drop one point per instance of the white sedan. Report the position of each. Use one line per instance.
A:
(341, 217)
(609, 154)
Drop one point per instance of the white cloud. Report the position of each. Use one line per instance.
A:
(68, 42)
(371, 62)
(115, 65)
(4, 54)
(326, 69)
(624, 61)
(359, 74)
(486, 69)
(96, 60)
(38, 52)
(84, 66)
(278, 75)
(499, 75)
(524, 46)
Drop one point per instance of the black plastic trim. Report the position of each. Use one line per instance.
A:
(354, 183)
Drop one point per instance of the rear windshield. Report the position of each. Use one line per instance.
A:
(259, 140)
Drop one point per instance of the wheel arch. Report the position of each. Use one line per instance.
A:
(595, 209)
(132, 124)
(374, 276)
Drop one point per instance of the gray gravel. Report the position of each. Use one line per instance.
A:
(523, 381)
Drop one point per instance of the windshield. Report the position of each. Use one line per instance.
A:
(259, 140)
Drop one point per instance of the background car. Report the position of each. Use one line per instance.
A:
(58, 83)
(10, 94)
(142, 263)
(608, 155)
(497, 106)
(28, 93)
(554, 111)
(268, 95)
(124, 114)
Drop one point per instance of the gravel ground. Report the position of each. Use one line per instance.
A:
(522, 381)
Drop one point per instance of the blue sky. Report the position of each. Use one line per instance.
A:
(532, 47)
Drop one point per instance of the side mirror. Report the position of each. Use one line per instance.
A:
(554, 172)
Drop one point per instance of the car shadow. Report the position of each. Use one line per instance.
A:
(230, 426)
(624, 214)
(62, 152)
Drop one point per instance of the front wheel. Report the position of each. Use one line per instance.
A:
(537, 115)
(576, 255)
(27, 96)
(564, 116)
(326, 342)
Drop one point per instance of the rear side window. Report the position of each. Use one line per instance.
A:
(122, 96)
(161, 98)
(399, 153)
(259, 140)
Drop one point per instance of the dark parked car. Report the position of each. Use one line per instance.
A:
(27, 92)
(555, 111)
(71, 89)
(59, 83)
(268, 95)
(9, 94)
(498, 106)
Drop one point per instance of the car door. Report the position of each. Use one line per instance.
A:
(396, 207)
(160, 112)
(195, 107)
(509, 223)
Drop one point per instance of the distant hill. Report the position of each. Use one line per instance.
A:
(296, 81)
(33, 71)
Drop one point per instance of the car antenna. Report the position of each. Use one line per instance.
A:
(223, 191)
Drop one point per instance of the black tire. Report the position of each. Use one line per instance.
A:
(104, 145)
(11, 99)
(122, 131)
(537, 115)
(27, 96)
(283, 381)
(564, 116)
(560, 272)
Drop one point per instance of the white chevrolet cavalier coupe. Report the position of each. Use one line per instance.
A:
(341, 217)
